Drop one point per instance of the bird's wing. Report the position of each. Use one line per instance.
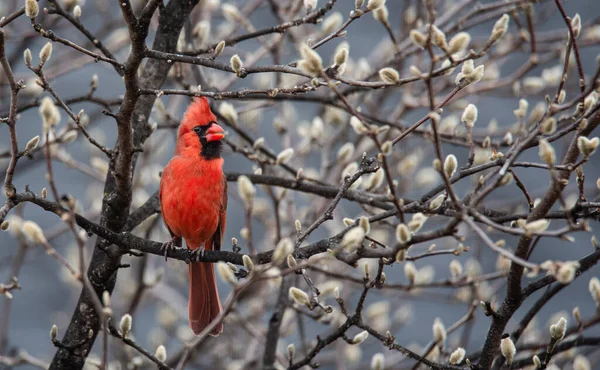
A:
(177, 242)
(220, 232)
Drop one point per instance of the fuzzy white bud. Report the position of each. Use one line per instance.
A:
(248, 263)
(377, 361)
(299, 296)
(450, 165)
(353, 239)
(558, 330)
(125, 324)
(236, 64)
(46, 53)
(499, 29)
(375, 4)
(457, 356)
(161, 353)
(282, 250)
(310, 4)
(418, 39)
(228, 112)
(31, 8)
(284, 156)
(508, 349)
(459, 42)
(402, 234)
(439, 330)
(389, 75)
(469, 115)
(311, 61)
(34, 232)
(587, 146)
(225, 273)
(246, 190)
(546, 152)
(360, 337)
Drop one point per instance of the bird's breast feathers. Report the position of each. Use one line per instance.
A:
(191, 198)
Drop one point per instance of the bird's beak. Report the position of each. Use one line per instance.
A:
(214, 133)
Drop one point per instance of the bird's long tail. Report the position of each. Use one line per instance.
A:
(204, 304)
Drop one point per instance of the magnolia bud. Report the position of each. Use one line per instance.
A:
(299, 296)
(161, 353)
(439, 331)
(499, 29)
(125, 324)
(508, 349)
(236, 64)
(31, 8)
(558, 330)
(248, 263)
(284, 156)
(246, 189)
(469, 115)
(360, 337)
(27, 56)
(225, 273)
(46, 52)
(389, 75)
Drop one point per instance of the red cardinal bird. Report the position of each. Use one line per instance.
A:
(193, 200)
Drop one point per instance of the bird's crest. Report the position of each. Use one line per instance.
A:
(197, 114)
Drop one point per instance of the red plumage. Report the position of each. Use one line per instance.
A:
(193, 198)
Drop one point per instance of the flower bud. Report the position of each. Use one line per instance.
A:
(558, 330)
(459, 42)
(299, 296)
(27, 56)
(125, 324)
(53, 332)
(508, 349)
(310, 5)
(375, 4)
(377, 361)
(499, 29)
(236, 64)
(34, 232)
(548, 126)
(450, 165)
(469, 115)
(46, 53)
(225, 273)
(353, 239)
(587, 146)
(31, 8)
(402, 234)
(546, 152)
(389, 75)
(311, 61)
(161, 353)
(219, 48)
(77, 12)
(228, 112)
(246, 189)
(457, 356)
(341, 56)
(418, 39)
(360, 337)
(282, 250)
(284, 156)
(439, 331)
(248, 263)
(32, 144)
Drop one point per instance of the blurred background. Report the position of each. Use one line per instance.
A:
(49, 293)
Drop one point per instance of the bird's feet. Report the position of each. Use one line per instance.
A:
(197, 254)
(170, 245)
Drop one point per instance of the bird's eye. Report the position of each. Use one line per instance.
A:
(197, 129)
